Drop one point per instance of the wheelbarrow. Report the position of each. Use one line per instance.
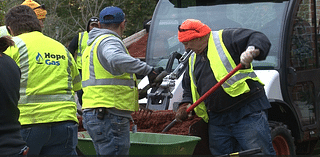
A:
(144, 143)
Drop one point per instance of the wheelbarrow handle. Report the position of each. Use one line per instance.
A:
(214, 88)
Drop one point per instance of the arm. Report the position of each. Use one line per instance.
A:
(113, 57)
(73, 46)
(187, 96)
(241, 39)
(76, 78)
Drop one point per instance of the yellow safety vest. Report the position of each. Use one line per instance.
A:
(101, 88)
(3, 31)
(49, 77)
(221, 64)
(82, 44)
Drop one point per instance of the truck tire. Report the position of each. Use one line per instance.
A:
(282, 140)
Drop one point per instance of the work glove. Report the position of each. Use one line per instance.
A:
(142, 94)
(80, 127)
(181, 114)
(247, 56)
(153, 75)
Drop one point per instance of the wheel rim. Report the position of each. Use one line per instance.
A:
(280, 145)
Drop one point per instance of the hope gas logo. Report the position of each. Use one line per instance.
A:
(49, 59)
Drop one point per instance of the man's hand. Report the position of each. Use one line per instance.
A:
(247, 56)
(182, 114)
(153, 75)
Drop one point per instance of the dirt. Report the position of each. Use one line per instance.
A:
(138, 48)
(158, 120)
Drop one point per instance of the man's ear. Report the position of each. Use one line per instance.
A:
(99, 25)
(124, 22)
(10, 31)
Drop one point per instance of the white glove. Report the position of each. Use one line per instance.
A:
(247, 56)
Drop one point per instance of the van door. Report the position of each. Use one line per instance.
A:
(303, 69)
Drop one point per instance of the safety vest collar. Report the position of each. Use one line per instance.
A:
(92, 81)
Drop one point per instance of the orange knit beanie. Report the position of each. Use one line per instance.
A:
(191, 29)
(40, 12)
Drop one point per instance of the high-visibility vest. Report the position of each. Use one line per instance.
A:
(101, 88)
(49, 77)
(3, 31)
(221, 64)
(82, 44)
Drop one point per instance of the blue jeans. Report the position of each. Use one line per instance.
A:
(250, 132)
(111, 135)
(52, 138)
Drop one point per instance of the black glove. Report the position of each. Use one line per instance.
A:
(153, 75)
(142, 94)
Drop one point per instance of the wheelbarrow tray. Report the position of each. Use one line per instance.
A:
(144, 143)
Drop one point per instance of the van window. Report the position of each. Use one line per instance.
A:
(266, 16)
(303, 59)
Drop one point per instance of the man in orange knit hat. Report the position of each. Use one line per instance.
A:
(236, 113)
(37, 8)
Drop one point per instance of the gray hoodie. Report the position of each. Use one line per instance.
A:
(114, 58)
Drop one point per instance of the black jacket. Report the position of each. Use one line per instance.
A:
(11, 141)
(236, 42)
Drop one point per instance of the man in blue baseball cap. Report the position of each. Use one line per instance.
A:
(110, 85)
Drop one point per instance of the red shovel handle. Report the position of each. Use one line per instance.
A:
(214, 88)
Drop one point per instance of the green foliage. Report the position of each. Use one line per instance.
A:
(71, 16)
(2, 12)
(66, 18)
(137, 11)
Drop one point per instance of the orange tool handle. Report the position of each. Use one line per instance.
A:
(214, 88)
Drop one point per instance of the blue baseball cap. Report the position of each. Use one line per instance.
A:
(116, 12)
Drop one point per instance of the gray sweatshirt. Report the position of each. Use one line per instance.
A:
(114, 58)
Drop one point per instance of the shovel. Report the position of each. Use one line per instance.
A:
(204, 96)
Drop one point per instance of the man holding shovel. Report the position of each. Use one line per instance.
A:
(236, 112)
(110, 85)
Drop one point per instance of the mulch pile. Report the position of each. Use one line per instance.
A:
(138, 48)
(158, 120)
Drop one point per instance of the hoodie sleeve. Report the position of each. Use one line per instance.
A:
(114, 58)
(186, 85)
(238, 40)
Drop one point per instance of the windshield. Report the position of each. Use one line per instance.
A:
(266, 17)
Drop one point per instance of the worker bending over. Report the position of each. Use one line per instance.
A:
(236, 112)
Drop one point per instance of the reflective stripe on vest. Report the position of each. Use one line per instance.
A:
(82, 44)
(24, 66)
(201, 109)
(3, 31)
(46, 88)
(103, 86)
(222, 63)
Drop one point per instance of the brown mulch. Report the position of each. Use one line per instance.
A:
(158, 120)
(138, 48)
